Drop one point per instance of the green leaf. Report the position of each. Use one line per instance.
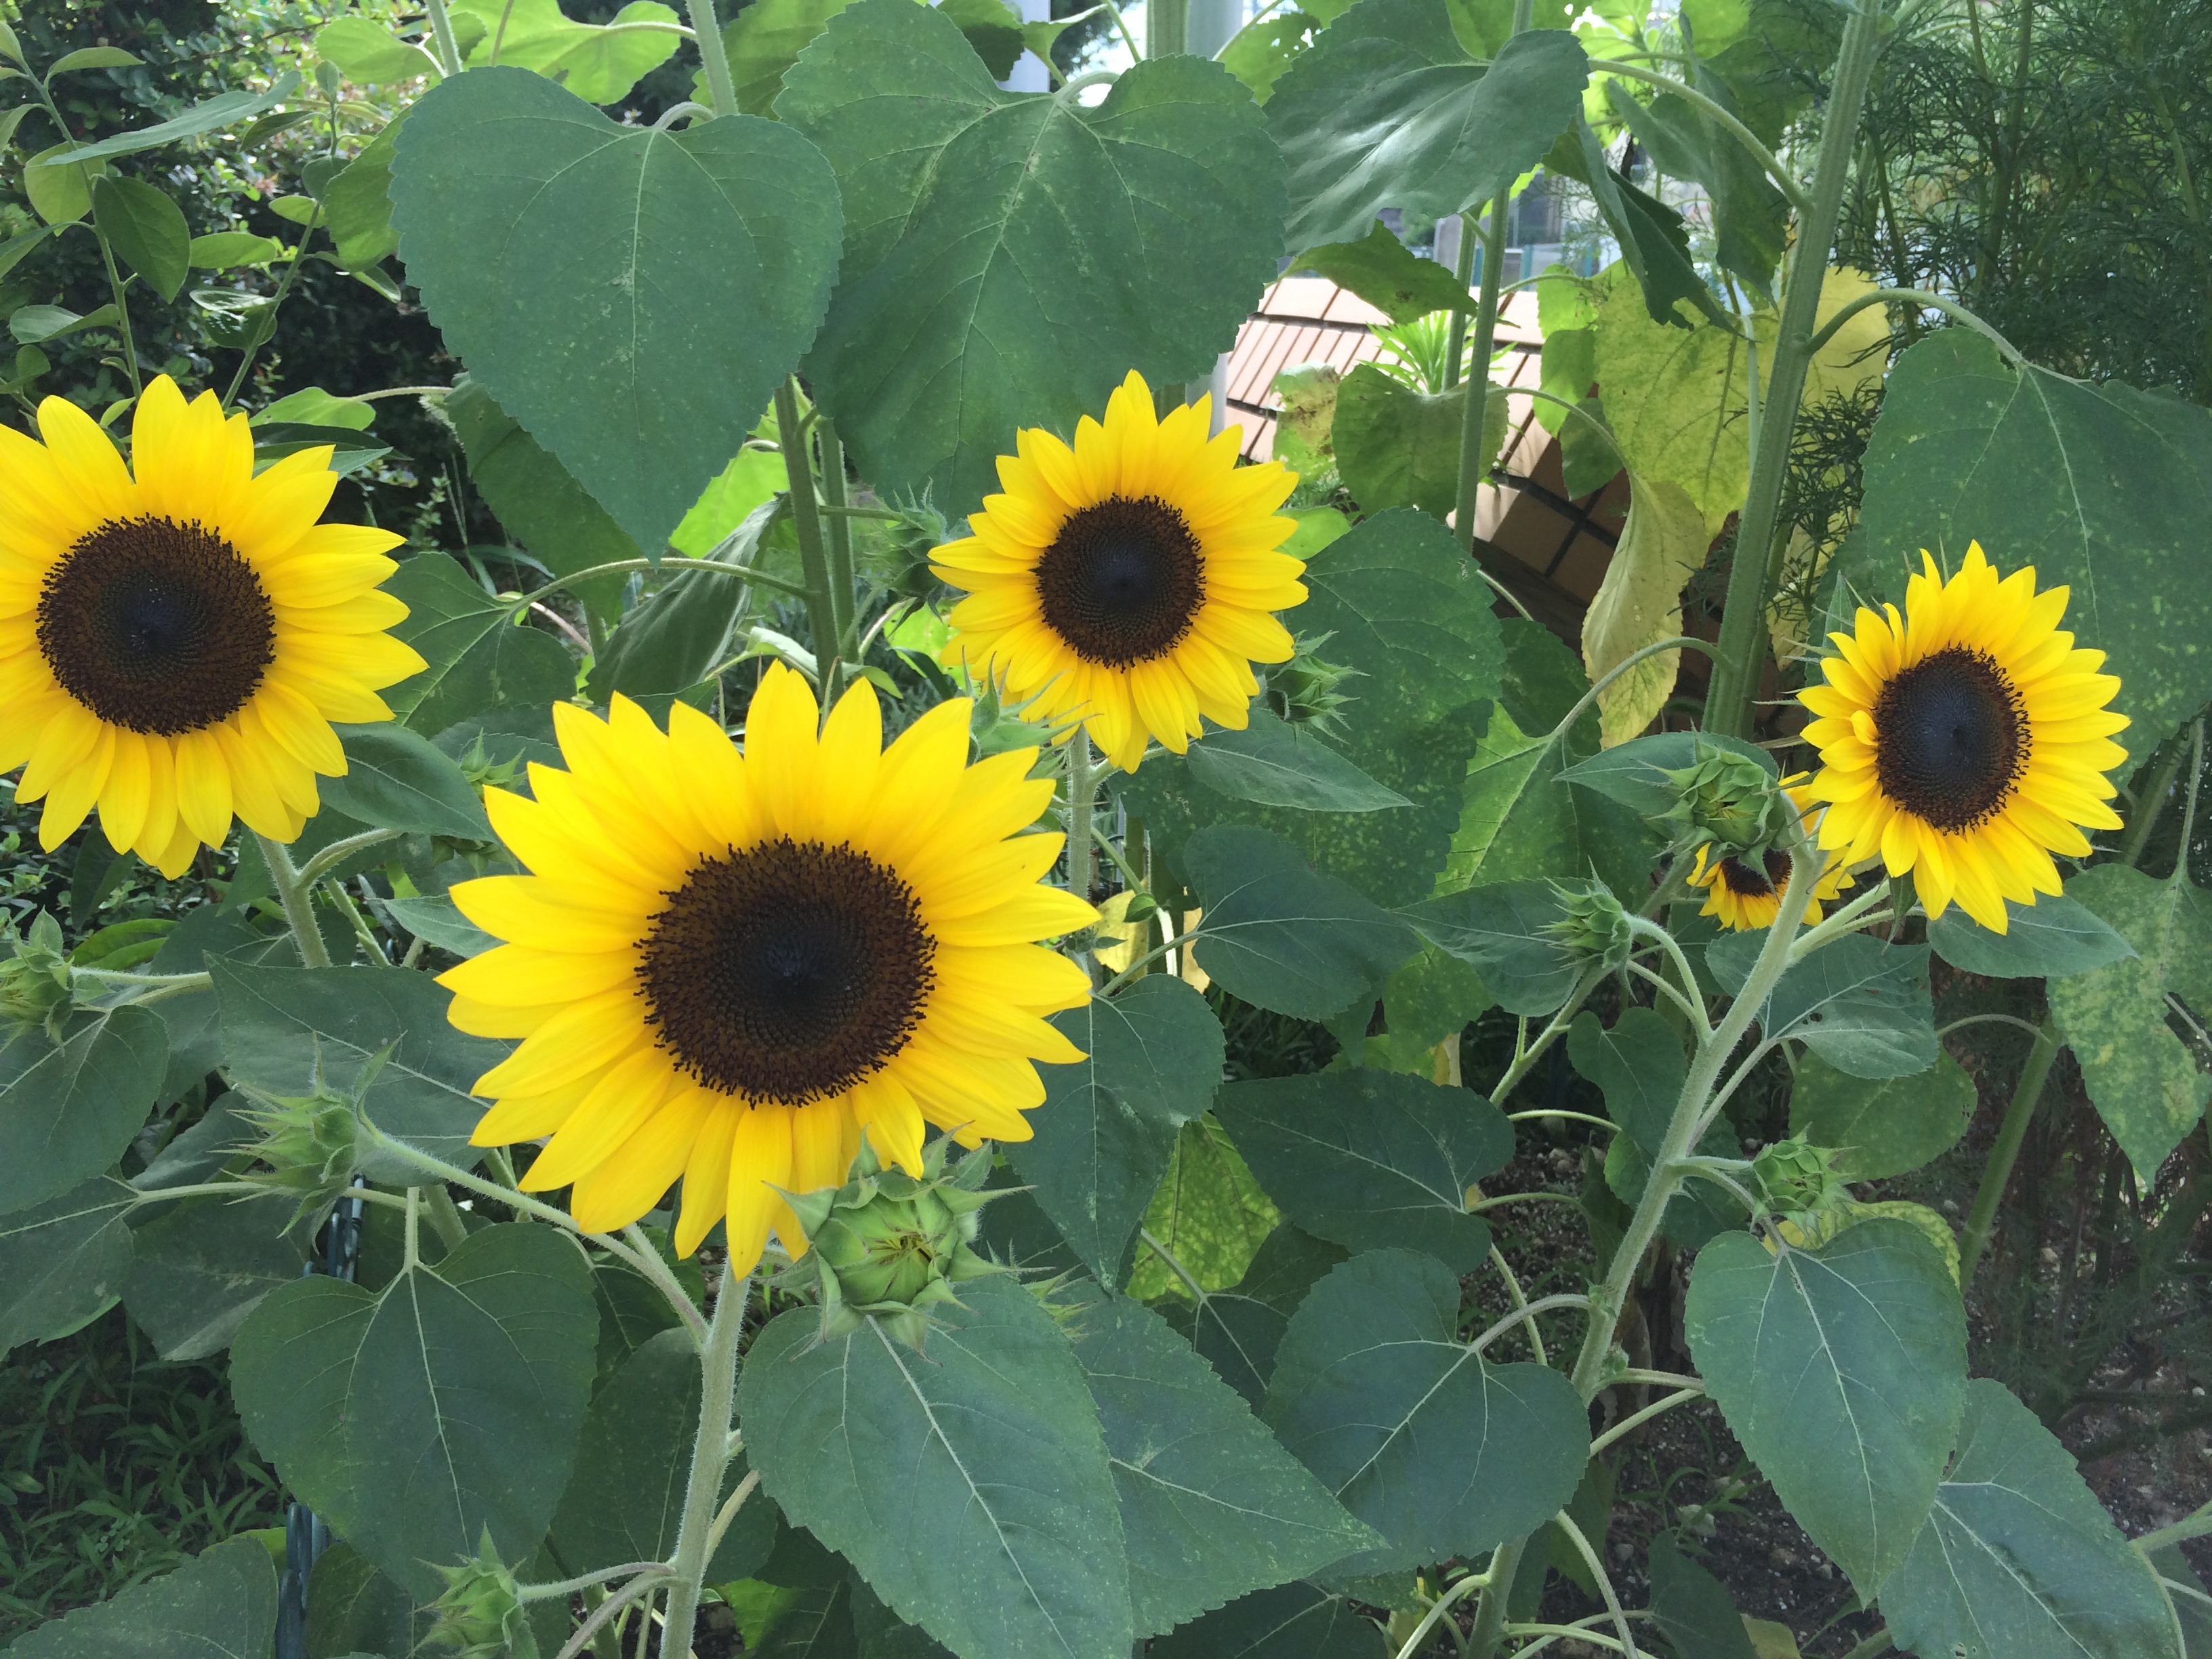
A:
(220, 1605)
(1842, 1370)
(203, 1267)
(1387, 274)
(761, 42)
(1516, 818)
(1503, 933)
(67, 1110)
(480, 657)
(992, 31)
(2018, 1559)
(87, 57)
(436, 918)
(1632, 772)
(971, 1488)
(369, 56)
(549, 241)
(599, 62)
(539, 505)
(146, 228)
(2103, 488)
(1750, 214)
(1881, 1127)
(227, 250)
(805, 1621)
(358, 204)
(678, 636)
(1389, 110)
(2141, 1078)
(1291, 1621)
(312, 406)
(33, 324)
(1279, 936)
(1654, 242)
(1588, 459)
(1639, 1066)
(1369, 1160)
(1395, 601)
(1275, 763)
(63, 1261)
(450, 1403)
(1399, 446)
(1690, 1607)
(1442, 1452)
(1861, 1005)
(1211, 1506)
(279, 1024)
(2048, 940)
(1110, 1123)
(1237, 1330)
(1208, 1211)
(1429, 1000)
(1258, 53)
(217, 114)
(1675, 398)
(354, 1609)
(981, 225)
(396, 779)
(625, 1501)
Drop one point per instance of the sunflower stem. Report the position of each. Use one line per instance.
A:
(1456, 331)
(806, 522)
(2189, 802)
(1742, 653)
(441, 34)
(838, 536)
(1473, 463)
(446, 1218)
(339, 851)
(710, 1457)
(296, 896)
(1607, 1301)
(2012, 1134)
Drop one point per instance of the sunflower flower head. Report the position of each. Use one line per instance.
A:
(177, 634)
(1965, 740)
(1129, 580)
(724, 966)
(891, 1245)
(1744, 888)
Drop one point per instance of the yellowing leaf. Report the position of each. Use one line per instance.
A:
(1676, 399)
(599, 63)
(1770, 1640)
(1854, 360)
(1832, 1224)
(1640, 603)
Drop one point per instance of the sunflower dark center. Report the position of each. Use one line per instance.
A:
(157, 626)
(1746, 882)
(1952, 739)
(1122, 582)
(789, 971)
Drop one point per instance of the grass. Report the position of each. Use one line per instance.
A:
(115, 1466)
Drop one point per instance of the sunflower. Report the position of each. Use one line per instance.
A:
(1128, 582)
(1745, 896)
(176, 636)
(1965, 741)
(724, 966)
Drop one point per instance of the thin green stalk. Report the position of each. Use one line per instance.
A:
(1743, 621)
(1167, 27)
(1565, 1523)
(294, 895)
(1082, 795)
(1916, 296)
(246, 1189)
(1456, 331)
(339, 851)
(1996, 1173)
(1168, 1259)
(710, 1455)
(567, 1587)
(1678, 642)
(1520, 1297)
(713, 58)
(277, 300)
(1473, 462)
(1628, 1425)
(2150, 805)
(813, 552)
(441, 34)
(2195, 1524)
(617, 566)
(1783, 178)
(122, 306)
(1443, 1604)
(446, 1218)
(840, 540)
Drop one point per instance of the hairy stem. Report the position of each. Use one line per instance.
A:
(1472, 461)
(712, 56)
(293, 893)
(710, 1455)
(806, 521)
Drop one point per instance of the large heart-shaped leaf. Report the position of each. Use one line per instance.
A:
(679, 275)
(1009, 256)
(2104, 488)
(1109, 1123)
(67, 1110)
(1442, 1452)
(1843, 1371)
(1388, 109)
(222, 1603)
(449, 1403)
(970, 1485)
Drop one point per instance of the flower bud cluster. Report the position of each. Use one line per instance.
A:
(1593, 925)
(1797, 1179)
(1308, 689)
(1729, 798)
(480, 1614)
(35, 982)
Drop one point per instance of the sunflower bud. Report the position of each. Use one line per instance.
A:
(919, 531)
(1593, 926)
(306, 1141)
(1306, 689)
(1796, 1178)
(480, 1615)
(35, 983)
(888, 1245)
(1726, 798)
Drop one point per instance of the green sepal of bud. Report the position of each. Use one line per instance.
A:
(1726, 798)
(480, 1615)
(1797, 1179)
(1593, 925)
(36, 985)
(312, 1144)
(890, 1246)
(1309, 689)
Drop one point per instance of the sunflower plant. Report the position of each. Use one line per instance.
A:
(714, 1086)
